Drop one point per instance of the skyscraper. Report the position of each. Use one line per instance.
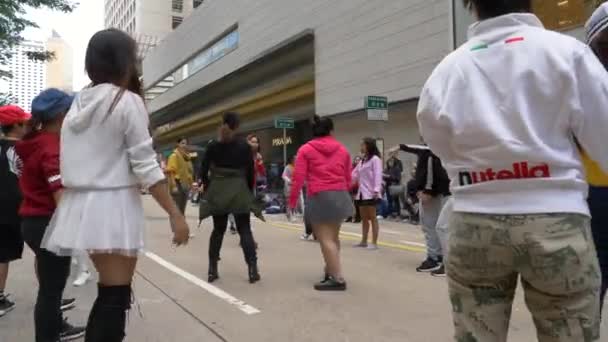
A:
(148, 21)
(29, 77)
(59, 72)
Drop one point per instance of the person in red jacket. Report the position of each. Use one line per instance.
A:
(258, 160)
(324, 165)
(40, 184)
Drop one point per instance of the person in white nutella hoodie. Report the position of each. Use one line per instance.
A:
(503, 112)
(106, 154)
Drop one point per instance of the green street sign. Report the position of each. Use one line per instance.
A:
(376, 102)
(284, 123)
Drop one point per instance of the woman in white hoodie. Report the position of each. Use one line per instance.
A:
(503, 112)
(106, 154)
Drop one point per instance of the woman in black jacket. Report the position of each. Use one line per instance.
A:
(227, 174)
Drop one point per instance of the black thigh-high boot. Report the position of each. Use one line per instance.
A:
(107, 321)
(243, 224)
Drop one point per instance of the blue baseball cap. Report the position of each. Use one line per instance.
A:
(50, 103)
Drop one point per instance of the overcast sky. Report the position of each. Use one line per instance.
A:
(76, 28)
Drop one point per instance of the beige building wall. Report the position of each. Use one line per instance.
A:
(402, 128)
(59, 71)
(362, 47)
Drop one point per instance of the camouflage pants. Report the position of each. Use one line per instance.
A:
(553, 254)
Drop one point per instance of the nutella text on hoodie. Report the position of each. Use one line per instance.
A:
(107, 145)
(503, 112)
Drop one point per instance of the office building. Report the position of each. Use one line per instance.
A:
(29, 77)
(59, 73)
(148, 21)
(290, 58)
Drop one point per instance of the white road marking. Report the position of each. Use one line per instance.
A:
(221, 294)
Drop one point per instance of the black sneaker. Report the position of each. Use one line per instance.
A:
(330, 284)
(6, 306)
(440, 272)
(68, 304)
(70, 332)
(428, 265)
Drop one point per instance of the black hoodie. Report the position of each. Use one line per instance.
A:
(431, 176)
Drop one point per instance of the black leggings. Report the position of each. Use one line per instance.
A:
(243, 226)
(53, 273)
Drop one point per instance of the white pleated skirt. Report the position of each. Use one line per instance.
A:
(97, 222)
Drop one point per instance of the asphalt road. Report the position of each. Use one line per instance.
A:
(387, 300)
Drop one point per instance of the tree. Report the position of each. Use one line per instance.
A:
(5, 99)
(13, 23)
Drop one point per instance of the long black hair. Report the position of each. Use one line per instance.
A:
(322, 126)
(112, 58)
(371, 147)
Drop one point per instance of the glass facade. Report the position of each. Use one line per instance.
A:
(567, 16)
(223, 46)
(218, 50)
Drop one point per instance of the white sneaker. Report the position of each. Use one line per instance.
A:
(372, 247)
(82, 279)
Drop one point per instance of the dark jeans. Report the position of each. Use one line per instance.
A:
(598, 204)
(243, 226)
(394, 207)
(53, 273)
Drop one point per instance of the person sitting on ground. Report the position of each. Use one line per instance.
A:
(411, 201)
(392, 179)
(503, 112)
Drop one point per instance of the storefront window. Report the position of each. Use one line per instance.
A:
(567, 16)
(564, 14)
(271, 148)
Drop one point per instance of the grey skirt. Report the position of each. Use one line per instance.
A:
(328, 207)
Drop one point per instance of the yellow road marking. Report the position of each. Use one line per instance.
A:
(354, 237)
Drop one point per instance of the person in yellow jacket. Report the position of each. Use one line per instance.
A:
(180, 174)
(597, 38)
